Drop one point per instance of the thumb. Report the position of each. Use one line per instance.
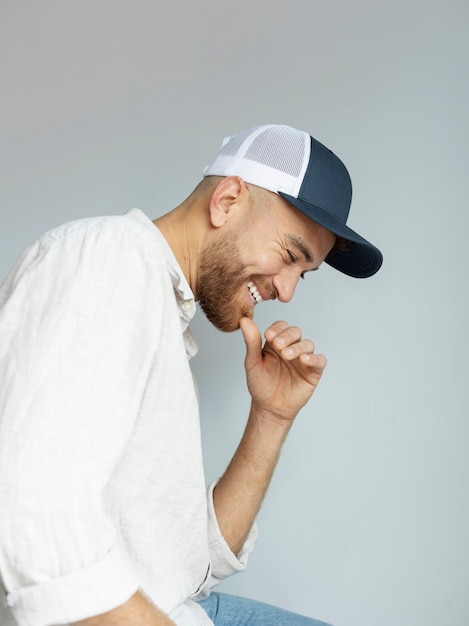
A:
(252, 339)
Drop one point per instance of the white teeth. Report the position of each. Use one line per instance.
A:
(255, 294)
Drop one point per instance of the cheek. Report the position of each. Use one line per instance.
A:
(267, 263)
(259, 255)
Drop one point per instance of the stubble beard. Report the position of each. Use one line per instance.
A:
(220, 286)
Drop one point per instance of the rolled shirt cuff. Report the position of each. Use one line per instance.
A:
(85, 593)
(224, 562)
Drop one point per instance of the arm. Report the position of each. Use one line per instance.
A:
(281, 378)
(77, 334)
(137, 611)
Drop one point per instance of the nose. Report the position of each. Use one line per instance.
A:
(285, 284)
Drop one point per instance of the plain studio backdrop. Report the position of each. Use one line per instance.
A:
(107, 105)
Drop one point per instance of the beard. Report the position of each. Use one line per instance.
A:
(220, 286)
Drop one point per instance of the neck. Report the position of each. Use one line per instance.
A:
(184, 230)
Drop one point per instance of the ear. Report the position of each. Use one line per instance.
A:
(229, 196)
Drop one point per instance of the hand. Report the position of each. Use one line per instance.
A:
(282, 375)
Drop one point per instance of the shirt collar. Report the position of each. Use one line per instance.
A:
(184, 295)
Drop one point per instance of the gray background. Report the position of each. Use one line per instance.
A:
(107, 105)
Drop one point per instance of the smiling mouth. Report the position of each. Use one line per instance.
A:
(254, 293)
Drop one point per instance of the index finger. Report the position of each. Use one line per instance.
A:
(286, 335)
(275, 329)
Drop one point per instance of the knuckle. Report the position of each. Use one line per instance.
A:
(275, 329)
(280, 323)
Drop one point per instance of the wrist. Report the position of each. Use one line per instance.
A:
(271, 421)
(280, 417)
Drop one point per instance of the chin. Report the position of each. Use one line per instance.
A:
(226, 320)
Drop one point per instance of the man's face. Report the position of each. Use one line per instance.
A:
(257, 258)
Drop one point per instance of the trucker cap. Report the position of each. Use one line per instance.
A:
(309, 176)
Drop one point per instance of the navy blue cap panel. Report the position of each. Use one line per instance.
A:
(325, 196)
(361, 259)
(326, 182)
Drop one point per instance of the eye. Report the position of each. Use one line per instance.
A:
(294, 259)
(292, 256)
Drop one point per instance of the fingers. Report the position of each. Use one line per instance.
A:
(280, 335)
(287, 341)
(283, 339)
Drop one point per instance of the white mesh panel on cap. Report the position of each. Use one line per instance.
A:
(279, 147)
(234, 143)
(273, 157)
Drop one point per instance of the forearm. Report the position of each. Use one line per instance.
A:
(238, 495)
(137, 611)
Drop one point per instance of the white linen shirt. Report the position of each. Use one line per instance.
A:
(101, 480)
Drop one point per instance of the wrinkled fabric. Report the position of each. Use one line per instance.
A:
(101, 478)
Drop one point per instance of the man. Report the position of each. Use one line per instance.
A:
(105, 520)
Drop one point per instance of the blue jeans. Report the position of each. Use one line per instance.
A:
(227, 610)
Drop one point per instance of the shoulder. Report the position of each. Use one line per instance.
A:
(110, 231)
(123, 250)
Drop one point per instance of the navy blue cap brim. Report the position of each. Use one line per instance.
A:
(360, 259)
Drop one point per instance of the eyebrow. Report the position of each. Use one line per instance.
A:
(300, 245)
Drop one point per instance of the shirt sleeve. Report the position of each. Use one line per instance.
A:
(78, 334)
(224, 562)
